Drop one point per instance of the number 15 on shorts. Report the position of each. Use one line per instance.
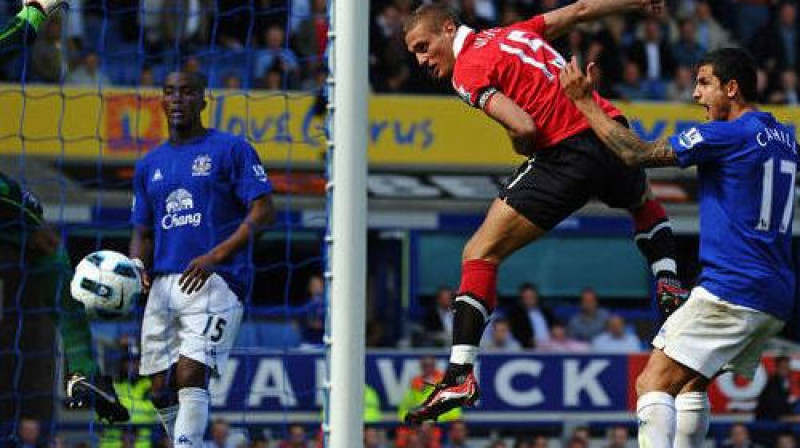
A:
(215, 326)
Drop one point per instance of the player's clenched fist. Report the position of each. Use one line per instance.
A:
(575, 84)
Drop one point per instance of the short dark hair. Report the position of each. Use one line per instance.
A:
(435, 13)
(198, 79)
(737, 64)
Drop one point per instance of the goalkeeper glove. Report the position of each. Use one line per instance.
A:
(48, 6)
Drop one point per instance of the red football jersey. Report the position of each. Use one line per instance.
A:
(516, 61)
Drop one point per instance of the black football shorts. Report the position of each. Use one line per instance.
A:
(562, 178)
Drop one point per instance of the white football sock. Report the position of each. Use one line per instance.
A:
(693, 411)
(463, 354)
(192, 417)
(167, 417)
(656, 414)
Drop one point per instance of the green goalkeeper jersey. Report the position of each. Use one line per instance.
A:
(20, 210)
(21, 30)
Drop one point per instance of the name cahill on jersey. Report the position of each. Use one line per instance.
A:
(776, 135)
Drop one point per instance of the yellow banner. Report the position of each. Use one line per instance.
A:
(119, 124)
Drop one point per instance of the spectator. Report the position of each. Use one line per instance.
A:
(582, 432)
(762, 85)
(297, 437)
(192, 65)
(652, 53)
(221, 436)
(777, 45)
(471, 17)
(374, 437)
(608, 51)
(775, 402)
(786, 440)
(499, 443)
(751, 15)
(499, 338)
(311, 37)
(509, 14)
(590, 320)
(687, 50)
(312, 324)
(457, 435)
(787, 93)
(437, 322)
(616, 338)
(89, 72)
(681, 88)
(389, 59)
(232, 81)
(530, 321)
(169, 23)
(540, 442)
(134, 393)
(577, 442)
(523, 442)
(739, 437)
(272, 80)
(560, 342)
(29, 434)
(618, 436)
(372, 405)
(146, 77)
(274, 54)
(48, 62)
(426, 435)
(710, 34)
(421, 386)
(632, 87)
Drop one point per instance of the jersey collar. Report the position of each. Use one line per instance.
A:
(462, 33)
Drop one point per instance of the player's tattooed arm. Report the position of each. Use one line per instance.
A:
(633, 150)
(627, 145)
(518, 123)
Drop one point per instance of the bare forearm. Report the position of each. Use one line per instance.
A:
(624, 142)
(141, 246)
(260, 215)
(594, 9)
(561, 21)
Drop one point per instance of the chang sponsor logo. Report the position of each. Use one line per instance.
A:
(178, 202)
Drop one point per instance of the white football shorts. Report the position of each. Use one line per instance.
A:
(710, 335)
(201, 326)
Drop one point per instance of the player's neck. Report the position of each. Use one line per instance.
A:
(739, 109)
(179, 136)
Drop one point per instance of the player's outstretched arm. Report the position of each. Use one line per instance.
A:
(23, 27)
(627, 145)
(518, 123)
(560, 21)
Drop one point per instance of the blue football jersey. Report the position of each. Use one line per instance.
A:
(746, 173)
(194, 196)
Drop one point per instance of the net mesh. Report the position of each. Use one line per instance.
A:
(81, 105)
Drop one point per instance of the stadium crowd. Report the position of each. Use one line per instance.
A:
(276, 44)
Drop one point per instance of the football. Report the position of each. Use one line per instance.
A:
(107, 283)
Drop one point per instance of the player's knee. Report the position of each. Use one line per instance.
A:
(192, 374)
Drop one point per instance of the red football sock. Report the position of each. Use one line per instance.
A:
(479, 279)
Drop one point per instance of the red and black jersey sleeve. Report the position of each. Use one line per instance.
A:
(535, 24)
(474, 79)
